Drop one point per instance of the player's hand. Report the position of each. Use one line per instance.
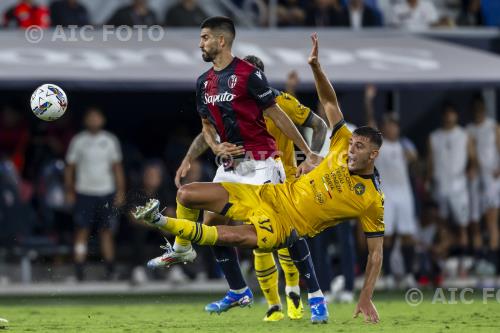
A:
(228, 149)
(313, 57)
(367, 308)
(312, 161)
(182, 171)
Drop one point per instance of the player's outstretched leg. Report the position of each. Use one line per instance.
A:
(182, 251)
(295, 309)
(299, 252)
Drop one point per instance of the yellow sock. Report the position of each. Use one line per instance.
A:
(267, 275)
(183, 212)
(195, 232)
(291, 273)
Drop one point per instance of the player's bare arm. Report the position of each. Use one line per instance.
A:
(197, 147)
(326, 93)
(223, 148)
(285, 124)
(370, 93)
(319, 129)
(373, 266)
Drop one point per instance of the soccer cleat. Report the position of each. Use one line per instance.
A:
(274, 314)
(149, 213)
(170, 257)
(319, 311)
(231, 300)
(295, 309)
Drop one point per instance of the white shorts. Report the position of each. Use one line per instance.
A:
(484, 194)
(399, 214)
(455, 204)
(253, 172)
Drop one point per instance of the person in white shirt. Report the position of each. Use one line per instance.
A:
(400, 220)
(485, 187)
(414, 15)
(451, 158)
(95, 184)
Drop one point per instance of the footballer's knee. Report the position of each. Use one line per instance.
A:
(185, 195)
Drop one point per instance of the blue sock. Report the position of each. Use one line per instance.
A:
(227, 258)
(299, 252)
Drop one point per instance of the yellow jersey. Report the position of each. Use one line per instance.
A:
(326, 196)
(299, 115)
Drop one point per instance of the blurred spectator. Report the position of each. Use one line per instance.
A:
(291, 13)
(451, 157)
(68, 12)
(138, 13)
(292, 81)
(415, 15)
(25, 14)
(471, 14)
(14, 136)
(484, 192)
(324, 13)
(95, 184)
(357, 15)
(399, 214)
(185, 13)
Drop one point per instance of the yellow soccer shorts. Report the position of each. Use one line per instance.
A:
(247, 205)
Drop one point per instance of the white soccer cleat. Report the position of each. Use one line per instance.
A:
(149, 213)
(3, 323)
(170, 257)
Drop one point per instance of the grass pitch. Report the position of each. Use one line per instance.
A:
(185, 314)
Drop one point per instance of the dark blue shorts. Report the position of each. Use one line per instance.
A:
(95, 211)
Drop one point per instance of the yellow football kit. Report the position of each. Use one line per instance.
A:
(326, 196)
(299, 115)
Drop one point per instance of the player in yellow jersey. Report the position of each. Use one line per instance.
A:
(343, 186)
(265, 266)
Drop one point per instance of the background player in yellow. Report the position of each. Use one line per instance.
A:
(265, 266)
(344, 185)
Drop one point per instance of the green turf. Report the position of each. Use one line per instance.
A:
(185, 314)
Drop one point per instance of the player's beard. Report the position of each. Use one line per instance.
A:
(208, 56)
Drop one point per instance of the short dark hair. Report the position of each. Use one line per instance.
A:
(256, 61)
(222, 23)
(371, 133)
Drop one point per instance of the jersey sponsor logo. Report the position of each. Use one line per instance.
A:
(265, 94)
(205, 84)
(359, 189)
(222, 97)
(259, 74)
(232, 81)
(319, 197)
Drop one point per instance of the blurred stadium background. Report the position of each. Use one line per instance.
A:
(145, 88)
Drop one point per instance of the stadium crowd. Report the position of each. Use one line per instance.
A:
(356, 14)
(441, 218)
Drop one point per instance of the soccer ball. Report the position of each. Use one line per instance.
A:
(49, 102)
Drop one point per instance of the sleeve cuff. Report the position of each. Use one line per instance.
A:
(374, 234)
(337, 127)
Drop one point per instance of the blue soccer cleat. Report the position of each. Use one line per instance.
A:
(319, 311)
(231, 300)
